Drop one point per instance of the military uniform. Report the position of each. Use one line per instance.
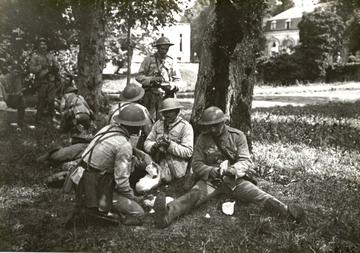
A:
(155, 66)
(75, 110)
(208, 155)
(174, 160)
(111, 158)
(45, 68)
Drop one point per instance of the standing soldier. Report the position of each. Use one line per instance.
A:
(158, 76)
(44, 65)
(12, 92)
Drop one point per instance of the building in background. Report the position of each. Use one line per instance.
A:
(179, 34)
(282, 32)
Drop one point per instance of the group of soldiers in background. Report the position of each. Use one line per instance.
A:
(57, 99)
(146, 143)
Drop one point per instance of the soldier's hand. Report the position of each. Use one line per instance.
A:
(230, 171)
(154, 147)
(156, 79)
(215, 172)
(164, 141)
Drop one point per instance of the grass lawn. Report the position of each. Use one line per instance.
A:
(307, 155)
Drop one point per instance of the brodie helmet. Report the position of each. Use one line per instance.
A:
(163, 41)
(170, 104)
(212, 115)
(131, 93)
(131, 115)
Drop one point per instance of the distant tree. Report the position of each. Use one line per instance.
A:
(349, 10)
(76, 21)
(131, 16)
(320, 34)
(276, 6)
(197, 17)
(23, 22)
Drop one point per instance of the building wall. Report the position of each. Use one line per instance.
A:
(178, 34)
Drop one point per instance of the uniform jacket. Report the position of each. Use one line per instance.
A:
(73, 104)
(153, 65)
(113, 154)
(37, 66)
(180, 150)
(207, 155)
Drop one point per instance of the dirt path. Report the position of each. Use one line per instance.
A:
(298, 99)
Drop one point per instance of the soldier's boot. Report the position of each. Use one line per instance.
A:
(130, 220)
(292, 212)
(20, 116)
(166, 213)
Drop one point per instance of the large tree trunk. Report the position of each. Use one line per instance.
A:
(226, 75)
(91, 57)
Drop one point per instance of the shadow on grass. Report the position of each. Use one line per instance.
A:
(334, 124)
(32, 214)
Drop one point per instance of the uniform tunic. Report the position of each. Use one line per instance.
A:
(153, 66)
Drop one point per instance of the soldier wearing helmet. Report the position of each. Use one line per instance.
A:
(158, 76)
(132, 93)
(74, 110)
(222, 163)
(106, 167)
(170, 143)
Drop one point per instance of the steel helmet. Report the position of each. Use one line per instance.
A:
(170, 104)
(70, 89)
(131, 93)
(163, 41)
(131, 115)
(212, 115)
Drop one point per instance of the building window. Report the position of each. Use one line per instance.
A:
(181, 43)
(273, 25)
(288, 23)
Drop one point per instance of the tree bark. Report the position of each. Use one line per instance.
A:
(227, 67)
(91, 58)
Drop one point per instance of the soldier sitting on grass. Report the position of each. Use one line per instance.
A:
(221, 163)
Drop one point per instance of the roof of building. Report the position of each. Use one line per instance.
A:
(295, 12)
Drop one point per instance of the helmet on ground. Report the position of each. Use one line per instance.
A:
(170, 104)
(163, 41)
(131, 115)
(212, 115)
(131, 93)
(70, 89)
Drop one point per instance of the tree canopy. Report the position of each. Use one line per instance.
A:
(79, 22)
(321, 34)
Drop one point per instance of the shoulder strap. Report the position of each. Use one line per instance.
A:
(116, 132)
(224, 151)
(113, 113)
(166, 127)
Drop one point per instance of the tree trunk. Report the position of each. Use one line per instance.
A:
(91, 57)
(226, 75)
